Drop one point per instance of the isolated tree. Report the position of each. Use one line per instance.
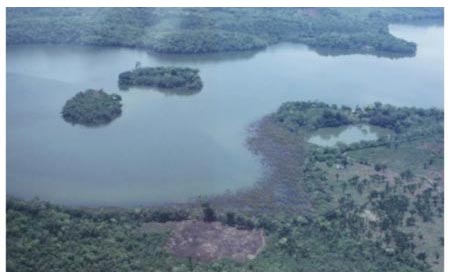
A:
(231, 219)
(209, 215)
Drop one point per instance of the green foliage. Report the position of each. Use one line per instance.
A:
(378, 203)
(45, 237)
(392, 208)
(230, 219)
(380, 167)
(333, 243)
(400, 119)
(203, 30)
(92, 108)
(209, 215)
(411, 221)
(364, 43)
(406, 122)
(311, 115)
(407, 174)
(180, 79)
(424, 205)
(204, 41)
(331, 118)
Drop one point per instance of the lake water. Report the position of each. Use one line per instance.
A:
(171, 148)
(328, 137)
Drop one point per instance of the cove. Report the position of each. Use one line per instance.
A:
(169, 148)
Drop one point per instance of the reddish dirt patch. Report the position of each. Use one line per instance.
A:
(213, 241)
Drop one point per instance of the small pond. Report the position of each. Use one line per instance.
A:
(329, 137)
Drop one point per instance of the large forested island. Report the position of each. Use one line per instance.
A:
(170, 78)
(368, 206)
(92, 108)
(205, 30)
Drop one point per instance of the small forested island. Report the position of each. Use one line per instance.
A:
(92, 108)
(166, 78)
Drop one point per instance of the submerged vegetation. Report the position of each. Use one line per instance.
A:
(205, 30)
(170, 78)
(92, 108)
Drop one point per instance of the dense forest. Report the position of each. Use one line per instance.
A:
(171, 78)
(368, 206)
(92, 108)
(204, 30)
(45, 237)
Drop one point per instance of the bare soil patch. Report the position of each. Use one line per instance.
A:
(210, 241)
(214, 241)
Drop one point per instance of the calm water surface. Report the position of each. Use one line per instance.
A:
(329, 137)
(171, 148)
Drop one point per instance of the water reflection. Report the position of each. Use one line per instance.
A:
(379, 54)
(166, 92)
(204, 58)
